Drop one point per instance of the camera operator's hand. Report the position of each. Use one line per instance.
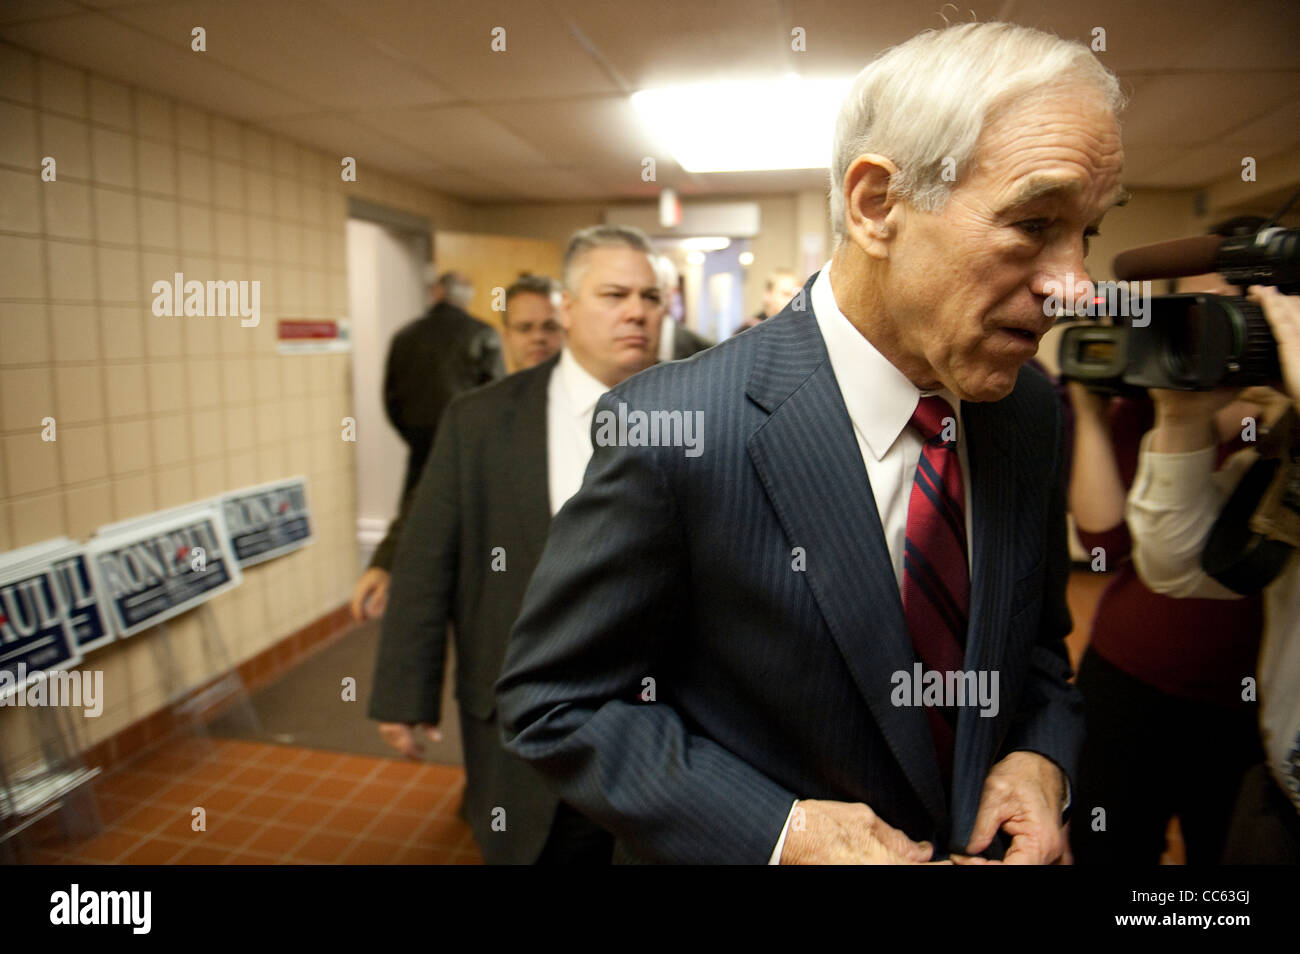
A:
(1185, 420)
(1283, 315)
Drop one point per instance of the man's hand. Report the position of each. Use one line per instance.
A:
(370, 595)
(1023, 794)
(844, 833)
(403, 738)
(1283, 315)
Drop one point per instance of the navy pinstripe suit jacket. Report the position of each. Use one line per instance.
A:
(772, 683)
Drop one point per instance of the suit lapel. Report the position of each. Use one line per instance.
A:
(807, 458)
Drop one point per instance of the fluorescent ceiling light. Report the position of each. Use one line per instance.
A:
(745, 127)
(705, 243)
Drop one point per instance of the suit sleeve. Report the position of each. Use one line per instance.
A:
(1049, 718)
(386, 552)
(492, 364)
(607, 603)
(413, 637)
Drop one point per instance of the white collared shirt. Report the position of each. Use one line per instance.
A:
(667, 332)
(880, 400)
(571, 397)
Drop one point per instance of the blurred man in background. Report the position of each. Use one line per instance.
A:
(532, 331)
(780, 288)
(676, 341)
(507, 458)
(430, 361)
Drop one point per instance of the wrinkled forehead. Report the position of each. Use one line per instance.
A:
(1061, 150)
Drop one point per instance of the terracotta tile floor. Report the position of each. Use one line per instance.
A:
(268, 804)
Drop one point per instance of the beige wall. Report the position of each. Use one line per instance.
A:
(152, 412)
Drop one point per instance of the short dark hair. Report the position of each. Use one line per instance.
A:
(527, 284)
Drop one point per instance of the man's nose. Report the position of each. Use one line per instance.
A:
(637, 308)
(1064, 265)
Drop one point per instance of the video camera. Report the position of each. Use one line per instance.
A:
(1196, 342)
(1189, 342)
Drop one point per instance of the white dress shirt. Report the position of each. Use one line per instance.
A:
(880, 400)
(571, 397)
(667, 333)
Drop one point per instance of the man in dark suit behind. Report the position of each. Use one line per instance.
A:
(507, 456)
(819, 614)
(432, 359)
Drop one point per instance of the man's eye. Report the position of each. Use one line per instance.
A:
(1088, 234)
(1033, 226)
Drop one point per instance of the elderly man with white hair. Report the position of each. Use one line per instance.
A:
(834, 630)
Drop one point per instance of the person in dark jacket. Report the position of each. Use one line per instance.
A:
(430, 360)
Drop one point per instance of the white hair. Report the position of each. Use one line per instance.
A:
(927, 100)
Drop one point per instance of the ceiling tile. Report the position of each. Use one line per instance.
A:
(454, 43)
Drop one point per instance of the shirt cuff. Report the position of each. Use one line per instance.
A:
(780, 842)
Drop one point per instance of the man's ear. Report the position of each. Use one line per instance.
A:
(567, 299)
(870, 212)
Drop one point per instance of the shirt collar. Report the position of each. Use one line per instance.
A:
(582, 389)
(880, 399)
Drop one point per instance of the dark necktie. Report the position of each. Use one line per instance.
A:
(936, 574)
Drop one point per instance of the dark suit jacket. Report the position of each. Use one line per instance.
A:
(430, 361)
(482, 499)
(773, 683)
(687, 342)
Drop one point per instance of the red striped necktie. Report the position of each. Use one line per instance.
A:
(936, 573)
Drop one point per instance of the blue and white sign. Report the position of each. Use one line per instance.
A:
(268, 520)
(39, 622)
(152, 568)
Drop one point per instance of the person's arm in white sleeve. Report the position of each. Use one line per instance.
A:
(1177, 495)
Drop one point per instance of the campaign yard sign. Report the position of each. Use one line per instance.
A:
(156, 567)
(50, 612)
(267, 520)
